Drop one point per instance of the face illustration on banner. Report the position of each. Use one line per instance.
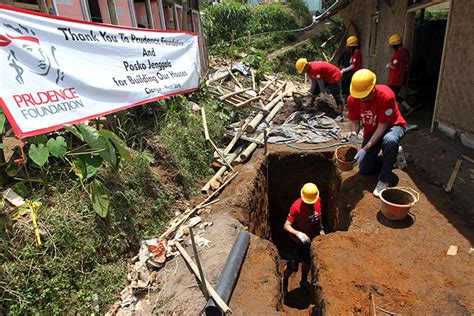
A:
(29, 53)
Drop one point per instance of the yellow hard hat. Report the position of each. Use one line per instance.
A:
(394, 39)
(300, 64)
(362, 83)
(310, 193)
(352, 41)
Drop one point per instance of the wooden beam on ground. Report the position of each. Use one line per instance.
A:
(280, 88)
(195, 270)
(218, 77)
(246, 138)
(268, 85)
(254, 99)
(208, 139)
(467, 159)
(453, 176)
(232, 94)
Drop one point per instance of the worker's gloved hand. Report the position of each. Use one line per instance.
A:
(387, 66)
(303, 238)
(321, 232)
(353, 138)
(360, 156)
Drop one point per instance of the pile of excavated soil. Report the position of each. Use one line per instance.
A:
(346, 153)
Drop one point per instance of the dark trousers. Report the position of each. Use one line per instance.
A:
(346, 82)
(335, 89)
(389, 143)
(396, 90)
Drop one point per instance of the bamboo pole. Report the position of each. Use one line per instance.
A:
(195, 270)
(254, 86)
(218, 77)
(173, 227)
(198, 263)
(233, 94)
(250, 149)
(205, 189)
(280, 88)
(273, 113)
(268, 85)
(233, 77)
(259, 117)
(206, 136)
(236, 137)
(248, 101)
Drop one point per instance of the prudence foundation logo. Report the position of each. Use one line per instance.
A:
(29, 53)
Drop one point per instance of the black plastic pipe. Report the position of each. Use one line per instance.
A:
(229, 273)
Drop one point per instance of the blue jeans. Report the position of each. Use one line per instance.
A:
(373, 162)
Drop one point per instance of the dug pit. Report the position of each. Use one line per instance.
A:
(279, 181)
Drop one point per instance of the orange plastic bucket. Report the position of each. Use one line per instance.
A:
(341, 164)
(396, 202)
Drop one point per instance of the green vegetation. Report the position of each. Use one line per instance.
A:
(230, 23)
(83, 251)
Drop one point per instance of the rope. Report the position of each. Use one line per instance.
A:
(342, 142)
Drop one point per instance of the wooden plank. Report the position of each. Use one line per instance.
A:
(225, 96)
(235, 79)
(267, 85)
(195, 270)
(198, 263)
(454, 174)
(248, 101)
(204, 123)
(280, 88)
(254, 86)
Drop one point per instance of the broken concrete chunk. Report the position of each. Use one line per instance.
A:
(452, 251)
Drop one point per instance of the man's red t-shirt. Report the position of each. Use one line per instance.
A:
(381, 109)
(321, 70)
(400, 60)
(306, 217)
(356, 59)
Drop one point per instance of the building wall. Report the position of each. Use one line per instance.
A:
(123, 13)
(456, 89)
(70, 9)
(358, 15)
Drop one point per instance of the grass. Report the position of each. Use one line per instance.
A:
(83, 254)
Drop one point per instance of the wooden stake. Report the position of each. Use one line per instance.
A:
(280, 88)
(221, 171)
(373, 312)
(233, 77)
(194, 269)
(233, 93)
(268, 85)
(204, 123)
(454, 174)
(254, 86)
(198, 263)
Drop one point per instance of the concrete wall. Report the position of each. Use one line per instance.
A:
(358, 15)
(456, 92)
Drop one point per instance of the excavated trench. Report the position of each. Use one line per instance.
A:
(276, 188)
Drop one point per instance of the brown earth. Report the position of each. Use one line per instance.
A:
(346, 153)
(404, 264)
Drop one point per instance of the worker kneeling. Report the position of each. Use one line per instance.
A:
(375, 108)
(302, 224)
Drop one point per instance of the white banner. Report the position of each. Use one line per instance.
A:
(57, 71)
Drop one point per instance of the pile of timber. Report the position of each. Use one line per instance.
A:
(245, 137)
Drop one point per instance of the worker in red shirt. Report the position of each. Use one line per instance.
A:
(398, 67)
(356, 63)
(375, 108)
(302, 225)
(323, 74)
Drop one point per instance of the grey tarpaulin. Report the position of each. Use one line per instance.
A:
(305, 127)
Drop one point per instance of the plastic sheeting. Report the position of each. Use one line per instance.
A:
(305, 127)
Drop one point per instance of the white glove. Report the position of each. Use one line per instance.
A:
(303, 238)
(360, 156)
(387, 66)
(321, 232)
(353, 138)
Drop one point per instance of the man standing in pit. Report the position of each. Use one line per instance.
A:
(323, 74)
(302, 225)
(375, 108)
